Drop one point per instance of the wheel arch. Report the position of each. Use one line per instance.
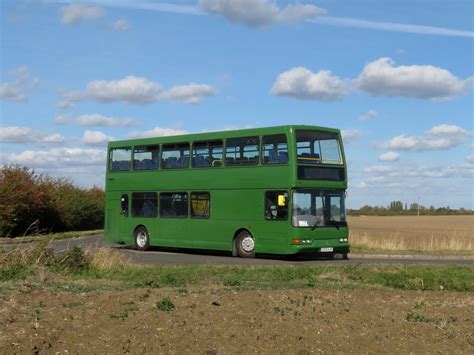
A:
(138, 226)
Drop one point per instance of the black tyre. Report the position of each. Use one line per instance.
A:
(245, 245)
(345, 256)
(141, 239)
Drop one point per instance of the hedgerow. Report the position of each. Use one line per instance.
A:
(33, 203)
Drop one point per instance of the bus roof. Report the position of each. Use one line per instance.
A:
(220, 134)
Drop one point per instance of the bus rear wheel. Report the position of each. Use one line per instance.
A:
(141, 239)
(245, 245)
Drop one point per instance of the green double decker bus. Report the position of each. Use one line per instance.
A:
(276, 190)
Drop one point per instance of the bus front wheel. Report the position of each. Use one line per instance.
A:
(142, 239)
(245, 245)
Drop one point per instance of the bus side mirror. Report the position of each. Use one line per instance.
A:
(281, 200)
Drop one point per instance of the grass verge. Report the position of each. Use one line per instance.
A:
(87, 271)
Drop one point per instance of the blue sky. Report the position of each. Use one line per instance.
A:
(395, 76)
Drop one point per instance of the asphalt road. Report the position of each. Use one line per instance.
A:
(200, 257)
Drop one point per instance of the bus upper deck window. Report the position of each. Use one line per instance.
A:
(275, 149)
(120, 159)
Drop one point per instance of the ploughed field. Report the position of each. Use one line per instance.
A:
(432, 234)
(225, 320)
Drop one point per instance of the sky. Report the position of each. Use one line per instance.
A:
(396, 77)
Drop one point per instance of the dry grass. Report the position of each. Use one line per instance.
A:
(105, 259)
(411, 233)
(32, 254)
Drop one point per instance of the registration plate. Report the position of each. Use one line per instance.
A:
(326, 250)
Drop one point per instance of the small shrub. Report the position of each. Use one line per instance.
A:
(165, 305)
(73, 259)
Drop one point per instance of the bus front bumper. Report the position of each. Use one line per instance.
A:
(322, 246)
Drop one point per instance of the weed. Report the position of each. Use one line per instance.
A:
(165, 305)
(182, 292)
(144, 296)
(420, 305)
(128, 303)
(230, 281)
(119, 315)
(416, 317)
(170, 280)
(147, 283)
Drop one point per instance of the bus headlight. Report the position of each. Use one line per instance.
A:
(343, 240)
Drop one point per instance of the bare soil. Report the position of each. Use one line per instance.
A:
(43, 319)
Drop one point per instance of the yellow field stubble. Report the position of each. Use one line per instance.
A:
(413, 233)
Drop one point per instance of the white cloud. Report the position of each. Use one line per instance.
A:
(158, 132)
(76, 13)
(131, 89)
(55, 138)
(369, 115)
(448, 130)
(470, 159)
(350, 134)
(95, 138)
(138, 90)
(120, 25)
(437, 138)
(260, 13)
(27, 135)
(57, 158)
(389, 156)
(190, 94)
(95, 119)
(301, 83)
(64, 105)
(382, 78)
(16, 90)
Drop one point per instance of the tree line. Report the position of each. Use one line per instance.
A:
(33, 203)
(398, 208)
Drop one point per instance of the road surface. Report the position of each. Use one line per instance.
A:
(192, 257)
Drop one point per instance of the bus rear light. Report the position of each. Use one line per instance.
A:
(301, 241)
